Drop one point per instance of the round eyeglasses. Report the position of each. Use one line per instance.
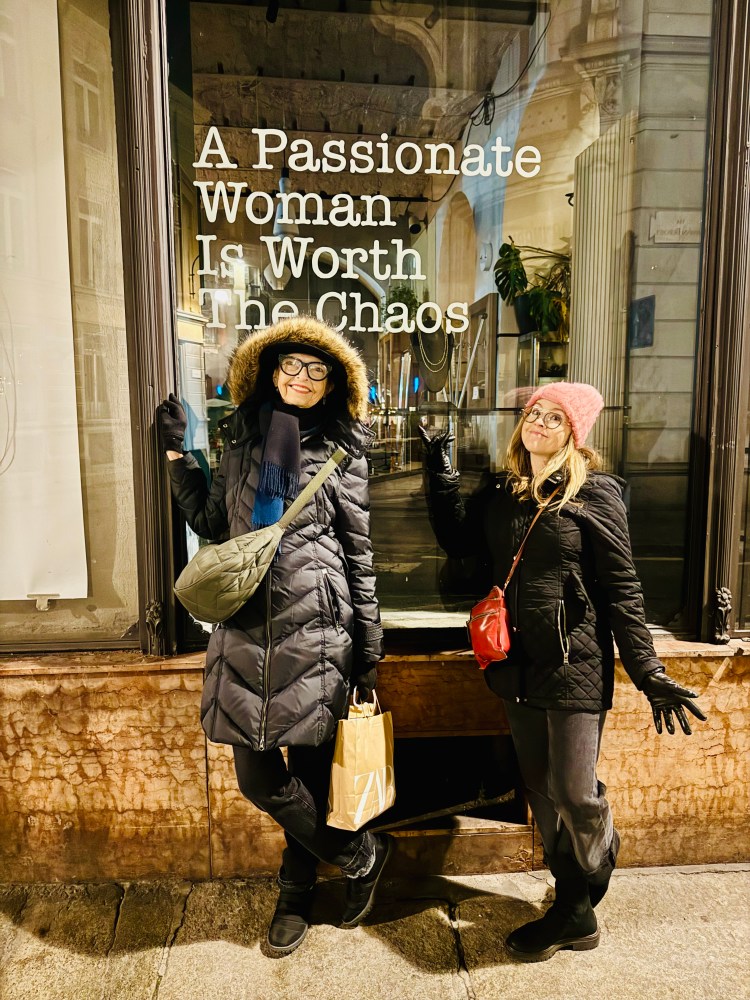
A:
(317, 370)
(551, 420)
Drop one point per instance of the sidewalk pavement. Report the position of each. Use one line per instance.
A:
(677, 933)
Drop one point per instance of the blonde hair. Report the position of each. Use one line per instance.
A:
(575, 464)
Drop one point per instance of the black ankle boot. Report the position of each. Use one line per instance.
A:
(568, 924)
(291, 917)
(599, 880)
(360, 891)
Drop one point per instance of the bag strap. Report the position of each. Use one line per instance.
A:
(312, 487)
(374, 704)
(526, 536)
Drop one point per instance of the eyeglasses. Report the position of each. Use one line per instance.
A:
(551, 420)
(317, 370)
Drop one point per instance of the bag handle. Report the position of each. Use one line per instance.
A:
(526, 536)
(361, 705)
(312, 487)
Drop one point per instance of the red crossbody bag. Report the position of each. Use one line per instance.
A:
(489, 622)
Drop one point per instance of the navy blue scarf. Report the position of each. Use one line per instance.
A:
(281, 427)
(279, 464)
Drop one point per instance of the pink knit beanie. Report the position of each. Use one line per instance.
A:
(581, 403)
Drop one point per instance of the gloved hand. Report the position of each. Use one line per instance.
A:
(365, 683)
(172, 424)
(436, 451)
(666, 696)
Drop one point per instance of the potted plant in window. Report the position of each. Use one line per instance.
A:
(542, 303)
(404, 294)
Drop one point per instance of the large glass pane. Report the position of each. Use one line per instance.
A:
(67, 534)
(449, 133)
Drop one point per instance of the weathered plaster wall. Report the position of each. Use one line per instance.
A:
(105, 772)
(678, 799)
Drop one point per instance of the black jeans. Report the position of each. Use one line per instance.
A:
(557, 752)
(296, 796)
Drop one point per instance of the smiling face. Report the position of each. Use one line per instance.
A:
(300, 390)
(541, 441)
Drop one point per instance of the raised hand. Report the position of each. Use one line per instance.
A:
(666, 696)
(172, 424)
(436, 451)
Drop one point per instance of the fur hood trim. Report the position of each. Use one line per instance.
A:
(245, 364)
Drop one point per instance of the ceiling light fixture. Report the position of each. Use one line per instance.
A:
(280, 283)
(281, 228)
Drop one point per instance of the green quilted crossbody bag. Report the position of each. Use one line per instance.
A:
(220, 578)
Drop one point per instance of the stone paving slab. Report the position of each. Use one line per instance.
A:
(667, 934)
(676, 936)
(221, 941)
(60, 938)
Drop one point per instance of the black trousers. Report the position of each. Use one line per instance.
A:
(557, 752)
(295, 794)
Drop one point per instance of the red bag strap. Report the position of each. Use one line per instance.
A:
(526, 536)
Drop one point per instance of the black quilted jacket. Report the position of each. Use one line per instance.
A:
(574, 587)
(278, 672)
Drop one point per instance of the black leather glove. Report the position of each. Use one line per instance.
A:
(172, 424)
(365, 683)
(666, 696)
(436, 451)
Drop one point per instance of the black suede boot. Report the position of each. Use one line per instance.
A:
(360, 892)
(563, 862)
(291, 917)
(599, 880)
(569, 923)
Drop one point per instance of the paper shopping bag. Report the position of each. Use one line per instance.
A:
(362, 779)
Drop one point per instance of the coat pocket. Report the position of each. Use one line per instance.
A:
(578, 606)
(334, 605)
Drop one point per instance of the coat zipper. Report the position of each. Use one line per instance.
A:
(266, 663)
(218, 684)
(562, 631)
(333, 603)
(517, 580)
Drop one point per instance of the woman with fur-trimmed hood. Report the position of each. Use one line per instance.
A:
(279, 672)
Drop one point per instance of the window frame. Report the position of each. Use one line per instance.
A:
(722, 372)
(723, 342)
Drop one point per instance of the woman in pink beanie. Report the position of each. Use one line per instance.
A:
(574, 588)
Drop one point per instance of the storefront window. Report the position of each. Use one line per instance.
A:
(67, 535)
(386, 168)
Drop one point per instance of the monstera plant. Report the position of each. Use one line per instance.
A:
(542, 302)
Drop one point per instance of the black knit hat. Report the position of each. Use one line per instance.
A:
(292, 345)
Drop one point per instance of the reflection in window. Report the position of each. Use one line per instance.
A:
(8, 60)
(608, 229)
(94, 386)
(12, 228)
(89, 242)
(64, 335)
(87, 101)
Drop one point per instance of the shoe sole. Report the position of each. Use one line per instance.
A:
(587, 943)
(279, 952)
(371, 901)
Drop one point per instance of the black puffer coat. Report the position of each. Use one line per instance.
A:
(278, 673)
(574, 587)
